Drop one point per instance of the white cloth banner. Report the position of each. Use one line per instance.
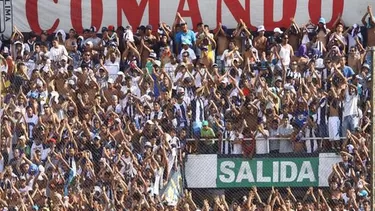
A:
(6, 19)
(50, 15)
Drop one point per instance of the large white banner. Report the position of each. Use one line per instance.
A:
(6, 19)
(211, 171)
(51, 15)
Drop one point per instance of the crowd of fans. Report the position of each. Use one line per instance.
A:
(100, 123)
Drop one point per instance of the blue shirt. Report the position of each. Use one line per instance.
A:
(185, 37)
(347, 71)
(300, 117)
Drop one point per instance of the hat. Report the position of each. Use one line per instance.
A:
(278, 78)
(6, 50)
(148, 144)
(149, 27)
(152, 55)
(358, 77)
(78, 70)
(52, 141)
(362, 193)
(150, 122)
(97, 137)
(205, 123)
(89, 43)
(215, 65)
(181, 90)
(111, 81)
(92, 29)
(44, 32)
(157, 63)
(141, 27)
(205, 47)
(277, 30)
(22, 138)
(104, 29)
(261, 28)
(322, 20)
(185, 42)
(71, 82)
(18, 42)
(120, 73)
(366, 66)
(111, 28)
(17, 110)
(345, 153)
(22, 178)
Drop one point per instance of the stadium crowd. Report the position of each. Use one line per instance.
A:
(94, 122)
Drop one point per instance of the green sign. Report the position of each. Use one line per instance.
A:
(267, 172)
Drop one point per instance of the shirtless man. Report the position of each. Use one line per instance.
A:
(205, 59)
(222, 40)
(370, 25)
(260, 41)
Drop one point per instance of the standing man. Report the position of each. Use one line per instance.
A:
(185, 35)
(370, 25)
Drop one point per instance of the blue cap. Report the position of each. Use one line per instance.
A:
(35, 207)
(363, 193)
(33, 95)
(33, 169)
(322, 20)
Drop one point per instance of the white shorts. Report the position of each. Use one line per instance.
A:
(333, 128)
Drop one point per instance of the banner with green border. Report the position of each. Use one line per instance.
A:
(267, 172)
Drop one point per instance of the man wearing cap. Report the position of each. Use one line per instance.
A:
(184, 35)
(260, 41)
(93, 38)
(187, 52)
(275, 38)
(206, 144)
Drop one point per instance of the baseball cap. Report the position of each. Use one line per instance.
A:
(322, 20)
(150, 122)
(205, 123)
(149, 27)
(111, 81)
(152, 55)
(104, 29)
(89, 43)
(157, 63)
(148, 144)
(111, 28)
(278, 78)
(92, 29)
(366, 66)
(277, 30)
(17, 110)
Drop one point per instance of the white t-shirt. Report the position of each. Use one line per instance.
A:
(170, 69)
(285, 144)
(237, 147)
(262, 144)
(55, 54)
(192, 55)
